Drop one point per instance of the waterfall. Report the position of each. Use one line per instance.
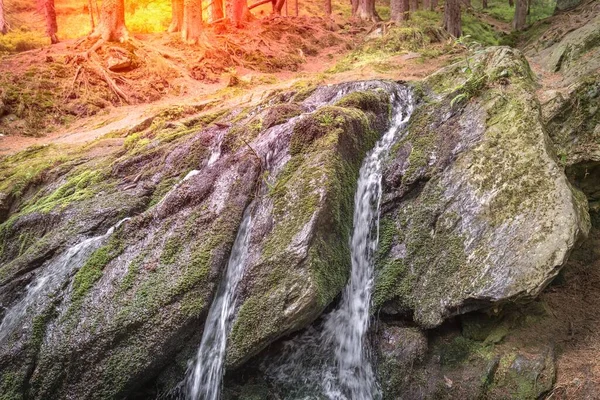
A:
(347, 326)
(51, 278)
(204, 376)
(333, 360)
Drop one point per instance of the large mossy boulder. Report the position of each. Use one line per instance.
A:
(476, 209)
(128, 310)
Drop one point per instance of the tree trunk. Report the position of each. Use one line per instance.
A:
(237, 11)
(3, 24)
(354, 6)
(91, 10)
(176, 16)
(328, 8)
(520, 19)
(484, 4)
(215, 10)
(452, 22)
(399, 10)
(111, 26)
(414, 5)
(365, 10)
(50, 17)
(511, 3)
(191, 27)
(278, 6)
(434, 4)
(426, 4)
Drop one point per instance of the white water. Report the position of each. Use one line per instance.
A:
(335, 362)
(203, 378)
(51, 278)
(348, 325)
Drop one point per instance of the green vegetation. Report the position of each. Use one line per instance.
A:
(22, 40)
(501, 10)
(91, 271)
(78, 187)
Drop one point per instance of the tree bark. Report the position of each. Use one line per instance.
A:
(91, 10)
(3, 23)
(237, 12)
(520, 18)
(354, 6)
(215, 10)
(434, 4)
(426, 4)
(399, 10)
(484, 4)
(452, 22)
(111, 26)
(365, 10)
(414, 5)
(191, 27)
(176, 16)
(278, 6)
(511, 3)
(50, 17)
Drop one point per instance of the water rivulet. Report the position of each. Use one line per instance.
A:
(333, 359)
(203, 378)
(50, 279)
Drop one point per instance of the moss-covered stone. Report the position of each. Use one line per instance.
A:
(305, 260)
(465, 173)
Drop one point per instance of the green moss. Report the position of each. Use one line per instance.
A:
(171, 250)
(161, 190)
(133, 270)
(91, 271)
(78, 187)
(19, 171)
(428, 260)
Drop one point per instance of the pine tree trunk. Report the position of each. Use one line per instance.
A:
(399, 10)
(191, 28)
(511, 3)
(215, 10)
(434, 4)
(278, 6)
(484, 4)
(452, 22)
(3, 24)
(237, 11)
(111, 26)
(176, 15)
(520, 18)
(50, 17)
(426, 4)
(414, 5)
(365, 10)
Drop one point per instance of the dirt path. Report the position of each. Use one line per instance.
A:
(409, 67)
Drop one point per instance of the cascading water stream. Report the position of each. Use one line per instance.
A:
(347, 326)
(203, 378)
(52, 276)
(335, 362)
